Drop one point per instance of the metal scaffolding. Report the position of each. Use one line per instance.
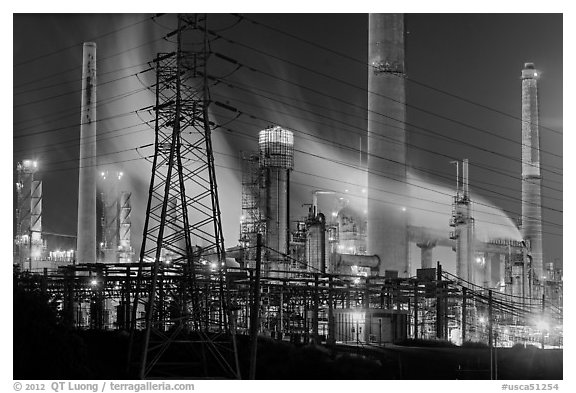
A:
(253, 220)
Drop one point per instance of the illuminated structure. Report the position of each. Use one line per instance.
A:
(531, 178)
(125, 251)
(253, 220)
(387, 228)
(463, 234)
(276, 151)
(87, 172)
(115, 225)
(28, 237)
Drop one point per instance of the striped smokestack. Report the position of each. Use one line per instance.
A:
(87, 173)
(531, 179)
(387, 228)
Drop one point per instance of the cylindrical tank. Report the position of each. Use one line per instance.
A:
(276, 150)
(387, 222)
(87, 172)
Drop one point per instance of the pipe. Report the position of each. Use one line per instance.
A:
(372, 261)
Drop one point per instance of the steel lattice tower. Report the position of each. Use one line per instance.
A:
(181, 274)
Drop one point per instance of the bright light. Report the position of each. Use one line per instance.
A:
(346, 190)
(358, 317)
(478, 259)
(535, 74)
(35, 163)
(102, 174)
(363, 191)
(542, 324)
(334, 214)
(213, 265)
(403, 209)
(94, 282)
(482, 320)
(242, 218)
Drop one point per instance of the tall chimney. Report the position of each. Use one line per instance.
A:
(387, 223)
(87, 173)
(531, 179)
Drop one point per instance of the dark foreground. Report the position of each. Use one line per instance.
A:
(43, 349)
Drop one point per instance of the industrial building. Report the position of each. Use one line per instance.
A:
(333, 276)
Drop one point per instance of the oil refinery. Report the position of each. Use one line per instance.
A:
(398, 259)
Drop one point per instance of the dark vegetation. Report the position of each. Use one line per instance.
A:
(46, 349)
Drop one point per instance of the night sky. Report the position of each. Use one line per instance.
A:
(308, 73)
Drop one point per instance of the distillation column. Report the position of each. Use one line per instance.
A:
(531, 179)
(87, 172)
(276, 146)
(387, 223)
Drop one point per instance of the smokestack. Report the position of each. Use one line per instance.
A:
(87, 173)
(465, 188)
(531, 179)
(387, 223)
(276, 146)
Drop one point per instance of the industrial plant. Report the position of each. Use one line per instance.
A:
(363, 270)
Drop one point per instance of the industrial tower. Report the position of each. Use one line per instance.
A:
(87, 171)
(276, 148)
(185, 294)
(387, 223)
(28, 239)
(531, 178)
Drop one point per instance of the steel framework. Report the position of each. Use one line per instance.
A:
(182, 230)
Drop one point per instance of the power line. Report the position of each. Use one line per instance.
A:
(361, 129)
(347, 103)
(72, 126)
(79, 80)
(89, 39)
(371, 92)
(239, 133)
(354, 59)
(320, 106)
(80, 90)
(335, 143)
(98, 61)
(303, 184)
